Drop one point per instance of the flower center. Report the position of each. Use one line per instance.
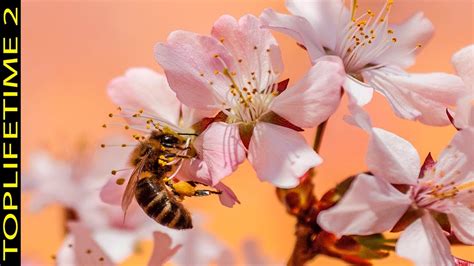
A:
(247, 102)
(365, 38)
(433, 194)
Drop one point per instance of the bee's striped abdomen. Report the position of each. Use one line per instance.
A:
(155, 200)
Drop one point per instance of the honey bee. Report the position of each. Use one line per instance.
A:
(156, 160)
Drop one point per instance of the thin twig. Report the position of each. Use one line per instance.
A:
(318, 139)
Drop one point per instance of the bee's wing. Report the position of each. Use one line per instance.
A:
(132, 183)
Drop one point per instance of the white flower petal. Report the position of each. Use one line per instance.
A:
(417, 30)
(358, 93)
(388, 155)
(324, 16)
(295, 26)
(424, 243)
(371, 205)
(461, 219)
(463, 61)
(422, 97)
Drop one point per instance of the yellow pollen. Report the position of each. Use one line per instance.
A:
(120, 181)
(216, 56)
(390, 31)
(216, 72)
(222, 40)
(111, 115)
(394, 39)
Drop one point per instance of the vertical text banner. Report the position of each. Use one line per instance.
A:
(11, 88)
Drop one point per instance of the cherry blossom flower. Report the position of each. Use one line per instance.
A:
(76, 184)
(375, 54)
(373, 205)
(463, 62)
(236, 71)
(144, 90)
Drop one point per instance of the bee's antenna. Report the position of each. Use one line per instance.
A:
(187, 134)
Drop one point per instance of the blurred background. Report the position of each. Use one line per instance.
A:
(72, 49)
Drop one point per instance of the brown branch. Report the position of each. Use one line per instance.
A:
(301, 203)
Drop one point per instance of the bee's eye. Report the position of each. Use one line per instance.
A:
(169, 139)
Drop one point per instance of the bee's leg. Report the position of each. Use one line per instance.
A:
(205, 192)
(184, 156)
(183, 188)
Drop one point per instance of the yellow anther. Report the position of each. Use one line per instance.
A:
(389, 31)
(394, 39)
(111, 115)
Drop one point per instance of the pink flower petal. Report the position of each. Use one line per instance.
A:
(113, 190)
(280, 155)
(228, 197)
(424, 243)
(464, 116)
(220, 147)
(295, 26)
(417, 30)
(190, 61)
(86, 250)
(162, 250)
(315, 97)
(246, 40)
(358, 93)
(324, 16)
(461, 219)
(388, 155)
(392, 158)
(144, 89)
(371, 205)
(197, 170)
(191, 116)
(422, 97)
(463, 61)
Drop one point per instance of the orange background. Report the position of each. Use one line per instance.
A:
(72, 49)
